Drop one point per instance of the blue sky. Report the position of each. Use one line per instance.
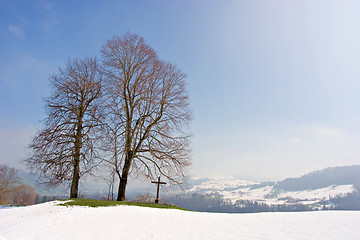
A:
(274, 85)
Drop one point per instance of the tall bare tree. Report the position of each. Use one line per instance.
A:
(148, 100)
(64, 149)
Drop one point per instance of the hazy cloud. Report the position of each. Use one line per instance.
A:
(16, 30)
(294, 140)
(330, 132)
(50, 17)
(268, 151)
(26, 65)
(13, 144)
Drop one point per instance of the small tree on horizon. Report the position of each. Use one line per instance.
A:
(13, 190)
(9, 180)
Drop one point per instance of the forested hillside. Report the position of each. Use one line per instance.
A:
(322, 178)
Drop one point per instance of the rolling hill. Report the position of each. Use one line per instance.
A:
(50, 221)
(317, 190)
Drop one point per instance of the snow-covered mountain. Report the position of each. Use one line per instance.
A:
(314, 188)
(234, 189)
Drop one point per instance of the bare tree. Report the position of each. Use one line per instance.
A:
(148, 100)
(24, 195)
(12, 190)
(8, 182)
(64, 149)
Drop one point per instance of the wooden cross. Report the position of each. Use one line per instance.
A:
(158, 185)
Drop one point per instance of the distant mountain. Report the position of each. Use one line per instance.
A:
(322, 189)
(323, 178)
(219, 184)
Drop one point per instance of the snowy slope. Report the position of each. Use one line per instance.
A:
(221, 183)
(47, 221)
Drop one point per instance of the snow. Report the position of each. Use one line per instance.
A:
(221, 183)
(48, 221)
(271, 196)
(321, 193)
(233, 189)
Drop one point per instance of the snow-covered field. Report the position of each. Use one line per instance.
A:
(48, 221)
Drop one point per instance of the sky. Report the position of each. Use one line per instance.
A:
(274, 85)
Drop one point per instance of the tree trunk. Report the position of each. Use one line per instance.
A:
(124, 177)
(122, 187)
(75, 180)
(76, 173)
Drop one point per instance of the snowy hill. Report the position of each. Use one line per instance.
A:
(311, 189)
(219, 184)
(323, 178)
(48, 221)
(268, 193)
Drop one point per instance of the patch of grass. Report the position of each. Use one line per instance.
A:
(104, 203)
